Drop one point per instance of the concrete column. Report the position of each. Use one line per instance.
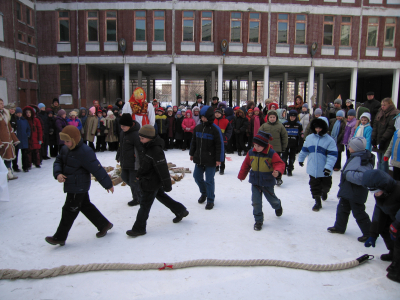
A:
(296, 86)
(212, 84)
(178, 88)
(140, 78)
(238, 92)
(173, 84)
(284, 88)
(126, 83)
(310, 91)
(320, 89)
(266, 83)
(220, 79)
(395, 87)
(249, 86)
(353, 85)
(148, 90)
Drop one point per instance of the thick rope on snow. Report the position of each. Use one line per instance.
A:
(65, 270)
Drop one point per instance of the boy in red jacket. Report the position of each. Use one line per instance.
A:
(264, 165)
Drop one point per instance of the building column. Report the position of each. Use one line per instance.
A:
(296, 86)
(249, 86)
(126, 83)
(173, 84)
(395, 87)
(148, 89)
(212, 84)
(320, 89)
(353, 85)
(178, 89)
(140, 78)
(238, 91)
(310, 91)
(220, 79)
(266, 83)
(284, 88)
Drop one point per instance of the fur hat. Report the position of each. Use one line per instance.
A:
(358, 143)
(73, 113)
(147, 131)
(56, 100)
(338, 101)
(222, 105)
(61, 112)
(340, 113)
(273, 104)
(169, 109)
(349, 100)
(126, 120)
(351, 112)
(318, 111)
(262, 138)
(10, 106)
(70, 133)
(110, 113)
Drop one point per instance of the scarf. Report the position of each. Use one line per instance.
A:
(256, 125)
(360, 131)
(335, 130)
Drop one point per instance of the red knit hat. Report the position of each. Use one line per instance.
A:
(273, 104)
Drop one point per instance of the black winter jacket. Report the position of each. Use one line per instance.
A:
(77, 165)
(43, 116)
(294, 130)
(129, 141)
(240, 123)
(153, 172)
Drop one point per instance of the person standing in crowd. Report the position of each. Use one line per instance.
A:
(207, 152)
(23, 134)
(393, 150)
(256, 122)
(100, 134)
(73, 167)
(52, 133)
(119, 103)
(352, 195)
(365, 130)
(349, 106)
(45, 144)
(13, 121)
(229, 115)
(349, 130)
(226, 130)
(373, 105)
(196, 115)
(83, 115)
(55, 107)
(215, 102)
(74, 121)
(162, 124)
(199, 102)
(298, 104)
(60, 123)
(294, 131)
(90, 129)
(171, 128)
(240, 125)
(331, 111)
(383, 130)
(97, 106)
(179, 130)
(336, 131)
(110, 138)
(188, 125)
(35, 139)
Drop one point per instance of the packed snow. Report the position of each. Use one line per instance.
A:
(225, 232)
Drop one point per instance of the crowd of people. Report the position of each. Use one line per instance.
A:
(269, 137)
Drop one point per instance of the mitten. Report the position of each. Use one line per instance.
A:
(301, 164)
(370, 242)
(385, 158)
(393, 230)
(327, 172)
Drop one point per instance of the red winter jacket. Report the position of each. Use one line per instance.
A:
(36, 129)
(188, 122)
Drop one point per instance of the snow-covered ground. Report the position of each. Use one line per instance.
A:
(226, 232)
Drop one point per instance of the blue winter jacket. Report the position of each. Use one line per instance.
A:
(23, 132)
(77, 165)
(367, 134)
(320, 148)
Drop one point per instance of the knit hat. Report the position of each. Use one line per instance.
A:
(305, 105)
(70, 133)
(256, 109)
(147, 131)
(370, 94)
(93, 110)
(61, 112)
(250, 111)
(18, 110)
(273, 112)
(349, 100)
(338, 101)
(318, 112)
(169, 109)
(351, 112)
(73, 113)
(357, 143)
(179, 112)
(126, 120)
(293, 113)
(360, 111)
(41, 105)
(55, 100)
(262, 138)
(160, 109)
(110, 113)
(276, 105)
(218, 110)
(199, 97)
(196, 108)
(366, 115)
(340, 113)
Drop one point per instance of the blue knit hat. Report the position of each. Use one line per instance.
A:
(340, 113)
(262, 138)
(41, 105)
(293, 113)
(351, 112)
(18, 110)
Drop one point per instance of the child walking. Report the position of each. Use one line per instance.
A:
(265, 166)
(322, 153)
(294, 130)
(351, 193)
(73, 167)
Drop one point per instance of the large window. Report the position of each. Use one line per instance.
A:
(188, 24)
(93, 25)
(254, 28)
(345, 31)
(21, 70)
(65, 79)
(389, 32)
(206, 26)
(140, 25)
(283, 28)
(328, 30)
(111, 26)
(63, 22)
(28, 16)
(372, 32)
(301, 25)
(159, 25)
(18, 9)
(236, 27)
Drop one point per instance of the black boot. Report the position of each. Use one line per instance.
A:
(284, 172)
(209, 205)
(240, 153)
(324, 196)
(318, 204)
(134, 202)
(334, 230)
(202, 199)
(258, 226)
(388, 256)
(289, 173)
(278, 212)
(394, 268)
(180, 216)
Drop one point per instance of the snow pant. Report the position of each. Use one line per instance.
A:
(25, 159)
(382, 165)
(240, 145)
(91, 144)
(53, 150)
(129, 177)
(231, 146)
(187, 139)
(207, 187)
(382, 228)
(396, 173)
(170, 144)
(44, 146)
(34, 157)
(291, 154)
(15, 160)
(338, 164)
(320, 185)
(74, 204)
(112, 146)
(146, 203)
(357, 207)
(100, 143)
(256, 200)
(178, 144)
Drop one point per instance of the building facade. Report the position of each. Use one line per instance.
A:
(93, 49)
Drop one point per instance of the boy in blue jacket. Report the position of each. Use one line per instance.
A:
(73, 167)
(352, 194)
(322, 154)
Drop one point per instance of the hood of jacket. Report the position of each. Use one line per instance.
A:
(80, 112)
(208, 112)
(26, 108)
(320, 122)
(377, 179)
(280, 112)
(240, 114)
(188, 112)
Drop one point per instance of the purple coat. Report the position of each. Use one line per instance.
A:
(60, 124)
(349, 131)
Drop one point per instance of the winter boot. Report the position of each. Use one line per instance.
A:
(103, 232)
(202, 199)
(318, 204)
(278, 212)
(134, 202)
(333, 229)
(54, 241)
(240, 153)
(284, 172)
(363, 239)
(180, 216)
(279, 182)
(388, 256)
(394, 271)
(258, 226)
(221, 172)
(135, 233)
(10, 175)
(324, 196)
(216, 169)
(289, 173)
(209, 205)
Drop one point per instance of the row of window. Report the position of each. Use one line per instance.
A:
(25, 38)
(206, 30)
(27, 17)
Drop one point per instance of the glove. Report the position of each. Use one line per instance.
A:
(370, 242)
(373, 143)
(327, 172)
(40, 142)
(385, 158)
(301, 164)
(393, 230)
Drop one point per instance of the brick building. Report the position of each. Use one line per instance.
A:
(95, 49)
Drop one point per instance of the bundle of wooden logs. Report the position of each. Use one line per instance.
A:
(173, 170)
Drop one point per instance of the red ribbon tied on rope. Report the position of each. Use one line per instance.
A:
(165, 266)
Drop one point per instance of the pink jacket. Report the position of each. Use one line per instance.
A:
(188, 122)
